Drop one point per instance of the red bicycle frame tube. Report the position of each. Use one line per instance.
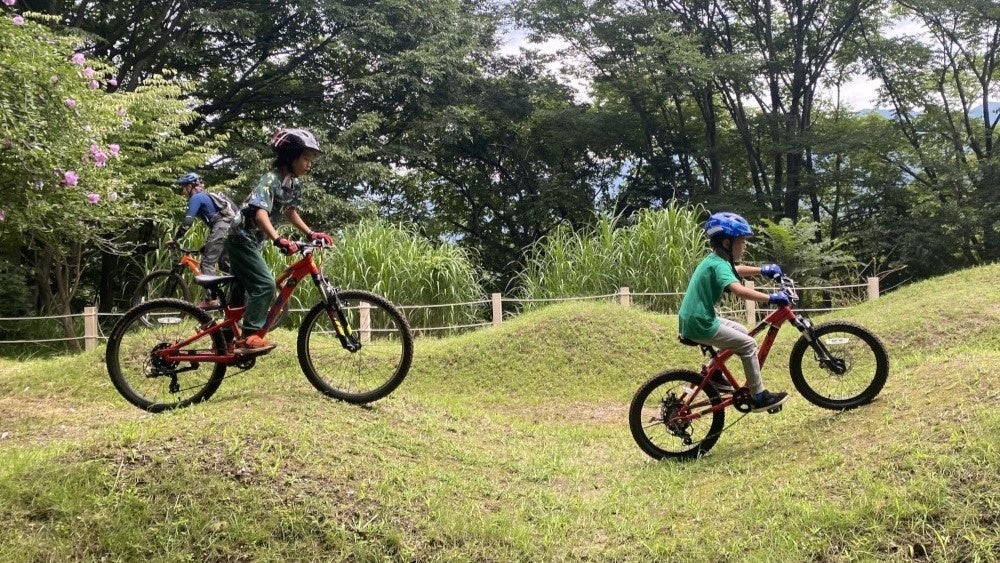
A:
(194, 265)
(772, 322)
(287, 282)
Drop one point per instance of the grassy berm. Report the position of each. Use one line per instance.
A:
(512, 444)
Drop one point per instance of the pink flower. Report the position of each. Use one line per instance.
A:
(9, 2)
(88, 72)
(3, 214)
(93, 84)
(126, 123)
(100, 159)
(78, 59)
(70, 102)
(93, 198)
(113, 82)
(18, 20)
(121, 112)
(114, 149)
(70, 178)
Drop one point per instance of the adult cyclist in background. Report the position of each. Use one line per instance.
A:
(275, 197)
(214, 210)
(718, 272)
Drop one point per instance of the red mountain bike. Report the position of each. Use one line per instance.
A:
(166, 353)
(835, 365)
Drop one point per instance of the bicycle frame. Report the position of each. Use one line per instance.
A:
(772, 323)
(286, 282)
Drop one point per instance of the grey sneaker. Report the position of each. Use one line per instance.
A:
(721, 384)
(766, 400)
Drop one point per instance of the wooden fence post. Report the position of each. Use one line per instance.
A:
(497, 308)
(625, 297)
(873, 288)
(365, 309)
(751, 306)
(89, 328)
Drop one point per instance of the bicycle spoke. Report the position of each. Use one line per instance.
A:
(658, 422)
(353, 373)
(848, 370)
(142, 376)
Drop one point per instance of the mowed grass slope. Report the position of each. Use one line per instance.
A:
(511, 443)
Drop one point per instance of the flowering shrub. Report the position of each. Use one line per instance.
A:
(81, 167)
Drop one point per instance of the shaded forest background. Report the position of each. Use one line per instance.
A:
(719, 103)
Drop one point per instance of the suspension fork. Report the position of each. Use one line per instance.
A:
(823, 355)
(178, 271)
(331, 301)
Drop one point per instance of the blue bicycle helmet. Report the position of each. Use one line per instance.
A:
(189, 178)
(727, 224)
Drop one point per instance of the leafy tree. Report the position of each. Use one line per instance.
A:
(654, 83)
(500, 168)
(80, 168)
(944, 92)
(679, 60)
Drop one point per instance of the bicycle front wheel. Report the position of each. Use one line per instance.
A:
(847, 366)
(160, 284)
(371, 362)
(146, 380)
(660, 422)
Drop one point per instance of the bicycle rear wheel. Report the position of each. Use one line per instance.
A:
(149, 382)
(653, 416)
(375, 368)
(850, 373)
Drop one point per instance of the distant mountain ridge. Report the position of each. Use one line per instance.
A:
(975, 112)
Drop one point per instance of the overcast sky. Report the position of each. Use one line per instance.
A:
(858, 93)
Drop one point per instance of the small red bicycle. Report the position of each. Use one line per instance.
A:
(680, 414)
(167, 353)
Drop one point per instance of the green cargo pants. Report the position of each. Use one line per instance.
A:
(254, 282)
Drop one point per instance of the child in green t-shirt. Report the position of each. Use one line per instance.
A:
(718, 272)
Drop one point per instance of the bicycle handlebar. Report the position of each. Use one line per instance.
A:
(787, 286)
(307, 246)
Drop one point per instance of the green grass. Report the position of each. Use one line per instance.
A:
(511, 443)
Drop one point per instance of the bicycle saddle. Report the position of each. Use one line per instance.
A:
(210, 282)
(686, 341)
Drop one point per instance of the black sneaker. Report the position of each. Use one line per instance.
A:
(721, 384)
(766, 400)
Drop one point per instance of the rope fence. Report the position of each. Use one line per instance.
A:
(93, 333)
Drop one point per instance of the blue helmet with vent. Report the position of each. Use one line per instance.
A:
(728, 225)
(189, 178)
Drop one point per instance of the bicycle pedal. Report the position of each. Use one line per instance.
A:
(246, 352)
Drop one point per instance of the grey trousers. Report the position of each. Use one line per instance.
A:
(213, 253)
(733, 336)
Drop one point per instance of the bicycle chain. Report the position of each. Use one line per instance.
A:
(724, 429)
